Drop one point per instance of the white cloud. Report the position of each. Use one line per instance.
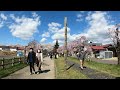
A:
(98, 30)
(35, 14)
(1, 24)
(3, 16)
(82, 11)
(54, 27)
(12, 16)
(73, 37)
(57, 31)
(24, 27)
(46, 34)
(79, 17)
(53, 24)
(60, 34)
(43, 40)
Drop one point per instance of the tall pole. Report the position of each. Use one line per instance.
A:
(65, 24)
(118, 45)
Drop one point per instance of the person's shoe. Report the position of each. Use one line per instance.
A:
(39, 72)
(35, 72)
(84, 67)
(81, 68)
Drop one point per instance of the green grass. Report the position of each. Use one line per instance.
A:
(102, 67)
(68, 74)
(12, 69)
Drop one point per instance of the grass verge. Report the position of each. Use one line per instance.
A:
(102, 67)
(12, 69)
(68, 74)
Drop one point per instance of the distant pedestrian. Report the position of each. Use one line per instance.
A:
(48, 55)
(89, 57)
(39, 62)
(51, 56)
(55, 55)
(31, 60)
(77, 55)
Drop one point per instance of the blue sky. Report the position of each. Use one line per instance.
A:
(21, 27)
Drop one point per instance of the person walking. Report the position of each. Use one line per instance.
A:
(31, 60)
(51, 56)
(82, 58)
(39, 62)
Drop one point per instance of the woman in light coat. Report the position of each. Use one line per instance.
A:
(39, 57)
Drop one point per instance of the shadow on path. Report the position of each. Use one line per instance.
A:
(45, 71)
(70, 66)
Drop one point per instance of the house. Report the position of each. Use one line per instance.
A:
(0, 49)
(106, 54)
(5, 48)
(13, 48)
(8, 48)
(110, 47)
(97, 49)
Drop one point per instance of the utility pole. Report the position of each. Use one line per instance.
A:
(65, 52)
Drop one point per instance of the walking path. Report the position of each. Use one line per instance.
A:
(105, 61)
(47, 68)
(91, 73)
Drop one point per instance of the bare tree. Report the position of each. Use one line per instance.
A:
(114, 35)
(33, 44)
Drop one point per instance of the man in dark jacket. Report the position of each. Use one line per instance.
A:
(31, 60)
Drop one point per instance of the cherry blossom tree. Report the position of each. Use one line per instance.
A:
(76, 45)
(114, 34)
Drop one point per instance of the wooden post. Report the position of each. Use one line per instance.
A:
(3, 63)
(19, 59)
(65, 52)
(13, 61)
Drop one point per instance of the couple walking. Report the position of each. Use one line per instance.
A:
(35, 58)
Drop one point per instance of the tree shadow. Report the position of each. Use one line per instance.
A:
(117, 78)
(45, 71)
(70, 66)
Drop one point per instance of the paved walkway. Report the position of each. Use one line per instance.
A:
(47, 68)
(91, 73)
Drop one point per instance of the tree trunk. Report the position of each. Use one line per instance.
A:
(118, 55)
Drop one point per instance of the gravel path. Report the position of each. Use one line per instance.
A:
(91, 73)
(47, 68)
